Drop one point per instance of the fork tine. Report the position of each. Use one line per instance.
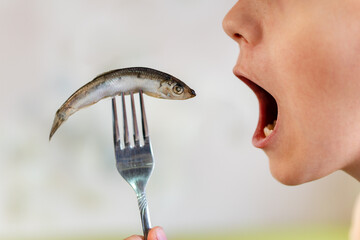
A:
(126, 129)
(135, 126)
(116, 134)
(143, 117)
(135, 164)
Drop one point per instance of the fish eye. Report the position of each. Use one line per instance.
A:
(178, 89)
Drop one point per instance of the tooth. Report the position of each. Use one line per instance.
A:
(269, 128)
(267, 131)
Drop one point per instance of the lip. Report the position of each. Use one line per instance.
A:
(259, 140)
(266, 105)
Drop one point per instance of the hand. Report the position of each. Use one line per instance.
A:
(156, 233)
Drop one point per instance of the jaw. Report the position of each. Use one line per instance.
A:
(190, 94)
(152, 94)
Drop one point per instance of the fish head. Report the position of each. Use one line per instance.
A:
(175, 89)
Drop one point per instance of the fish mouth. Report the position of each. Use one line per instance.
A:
(268, 122)
(192, 93)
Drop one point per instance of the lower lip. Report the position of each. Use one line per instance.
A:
(259, 140)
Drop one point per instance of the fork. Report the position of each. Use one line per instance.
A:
(134, 162)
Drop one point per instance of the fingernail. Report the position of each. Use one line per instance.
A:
(160, 234)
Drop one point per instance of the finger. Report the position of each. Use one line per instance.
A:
(157, 233)
(135, 237)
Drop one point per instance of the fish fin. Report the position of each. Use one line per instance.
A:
(58, 120)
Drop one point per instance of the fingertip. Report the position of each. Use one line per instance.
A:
(135, 237)
(157, 233)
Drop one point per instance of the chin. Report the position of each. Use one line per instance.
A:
(288, 178)
(288, 175)
(292, 171)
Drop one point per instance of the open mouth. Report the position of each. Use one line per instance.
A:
(268, 114)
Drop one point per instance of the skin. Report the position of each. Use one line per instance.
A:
(156, 233)
(306, 53)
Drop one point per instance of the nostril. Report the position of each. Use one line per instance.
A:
(237, 35)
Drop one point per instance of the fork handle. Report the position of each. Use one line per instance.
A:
(144, 213)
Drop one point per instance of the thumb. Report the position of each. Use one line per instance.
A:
(157, 233)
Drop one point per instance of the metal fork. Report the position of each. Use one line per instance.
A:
(134, 163)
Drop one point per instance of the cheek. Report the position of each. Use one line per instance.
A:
(166, 92)
(317, 98)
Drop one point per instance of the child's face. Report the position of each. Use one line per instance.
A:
(306, 54)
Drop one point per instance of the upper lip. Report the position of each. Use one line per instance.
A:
(246, 79)
(253, 83)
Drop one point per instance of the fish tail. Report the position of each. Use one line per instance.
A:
(58, 120)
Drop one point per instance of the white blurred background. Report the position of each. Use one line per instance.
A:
(208, 176)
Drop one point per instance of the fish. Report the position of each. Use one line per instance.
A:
(150, 81)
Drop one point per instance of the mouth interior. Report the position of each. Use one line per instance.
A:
(268, 109)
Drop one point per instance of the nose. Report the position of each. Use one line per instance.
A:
(192, 92)
(242, 22)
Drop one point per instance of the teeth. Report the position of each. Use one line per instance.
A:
(269, 128)
(267, 131)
